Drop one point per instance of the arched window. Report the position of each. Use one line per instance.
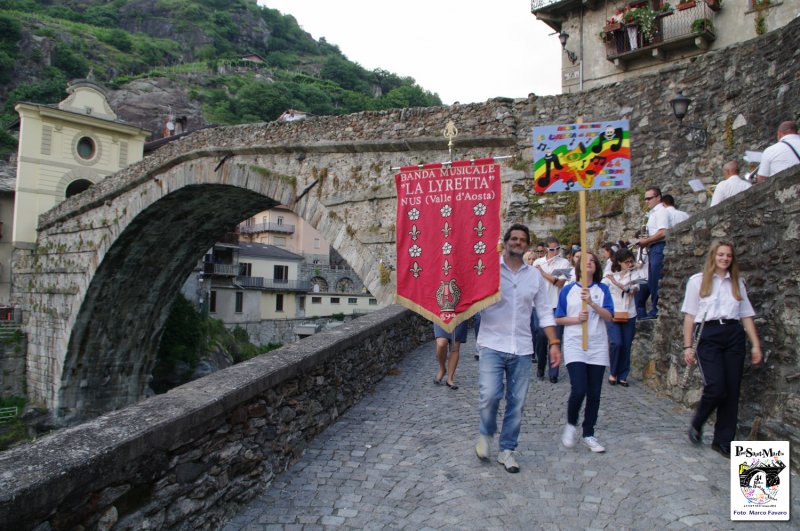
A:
(319, 285)
(345, 285)
(76, 187)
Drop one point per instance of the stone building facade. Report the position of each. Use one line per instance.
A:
(603, 46)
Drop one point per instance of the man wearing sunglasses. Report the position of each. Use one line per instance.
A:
(657, 225)
(552, 267)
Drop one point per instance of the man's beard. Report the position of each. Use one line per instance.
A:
(515, 253)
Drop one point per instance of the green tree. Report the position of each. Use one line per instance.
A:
(261, 101)
(119, 39)
(70, 60)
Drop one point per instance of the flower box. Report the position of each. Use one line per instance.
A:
(612, 27)
(686, 5)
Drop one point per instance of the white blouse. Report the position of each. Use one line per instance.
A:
(624, 302)
(719, 304)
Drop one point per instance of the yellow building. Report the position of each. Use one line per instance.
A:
(64, 149)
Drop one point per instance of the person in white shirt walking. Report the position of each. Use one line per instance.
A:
(731, 185)
(585, 367)
(505, 344)
(675, 215)
(553, 269)
(657, 224)
(781, 155)
(717, 308)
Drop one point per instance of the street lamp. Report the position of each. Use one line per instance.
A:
(680, 107)
(572, 56)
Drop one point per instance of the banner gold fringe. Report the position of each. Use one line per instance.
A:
(459, 318)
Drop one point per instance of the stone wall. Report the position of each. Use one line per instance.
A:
(13, 350)
(763, 223)
(184, 459)
(286, 330)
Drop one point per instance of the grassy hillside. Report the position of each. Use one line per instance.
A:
(197, 43)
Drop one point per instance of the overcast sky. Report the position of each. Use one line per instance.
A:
(464, 50)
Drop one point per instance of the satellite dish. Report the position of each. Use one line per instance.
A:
(170, 126)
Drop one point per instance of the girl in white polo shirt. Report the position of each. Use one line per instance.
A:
(586, 367)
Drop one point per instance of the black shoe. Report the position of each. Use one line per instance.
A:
(554, 379)
(724, 449)
(540, 375)
(695, 436)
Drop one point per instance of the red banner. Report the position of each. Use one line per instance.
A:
(448, 226)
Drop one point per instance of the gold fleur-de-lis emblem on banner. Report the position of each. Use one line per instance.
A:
(415, 270)
(446, 229)
(479, 267)
(446, 267)
(480, 229)
(414, 232)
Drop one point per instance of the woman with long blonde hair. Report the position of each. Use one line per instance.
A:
(716, 303)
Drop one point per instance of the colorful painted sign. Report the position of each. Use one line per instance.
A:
(448, 226)
(587, 156)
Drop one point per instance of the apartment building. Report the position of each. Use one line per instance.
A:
(605, 41)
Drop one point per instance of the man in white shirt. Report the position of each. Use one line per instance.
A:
(657, 224)
(554, 270)
(675, 215)
(505, 344)
(783, 154)
(731, 185)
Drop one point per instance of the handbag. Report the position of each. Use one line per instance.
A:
(620, 317)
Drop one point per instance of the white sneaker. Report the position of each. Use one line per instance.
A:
(506, 458)
(570, 436)
(482, 447)
(593, 444)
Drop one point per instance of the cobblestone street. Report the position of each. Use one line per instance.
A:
(404, 458)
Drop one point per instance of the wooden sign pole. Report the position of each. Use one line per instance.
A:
(584, 247)
(584, 276)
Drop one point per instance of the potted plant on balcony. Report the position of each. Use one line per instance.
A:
(641, 20)
(714, 5)
(702, 25)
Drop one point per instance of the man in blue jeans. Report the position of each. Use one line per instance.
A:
(657, 225)
(505, 344)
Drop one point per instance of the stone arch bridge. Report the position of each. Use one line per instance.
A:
(98, 287)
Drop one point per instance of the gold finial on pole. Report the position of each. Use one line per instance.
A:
(450, 131)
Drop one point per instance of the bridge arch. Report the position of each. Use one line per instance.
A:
(97, 287)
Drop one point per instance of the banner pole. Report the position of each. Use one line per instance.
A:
(584, 250)
(584, 276)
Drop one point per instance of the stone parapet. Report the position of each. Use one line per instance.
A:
(185, 458)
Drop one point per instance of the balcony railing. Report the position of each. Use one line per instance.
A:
(273, 284)
(267, 227)
(228, 270)
(536, 5)
(673, 30)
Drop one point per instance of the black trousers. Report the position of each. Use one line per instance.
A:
(720, 354)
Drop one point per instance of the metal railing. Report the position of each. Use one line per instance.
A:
(273, 284)
(670, 29)
(267, 227)
(228, 270)
(540, 4)
(7, 414)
